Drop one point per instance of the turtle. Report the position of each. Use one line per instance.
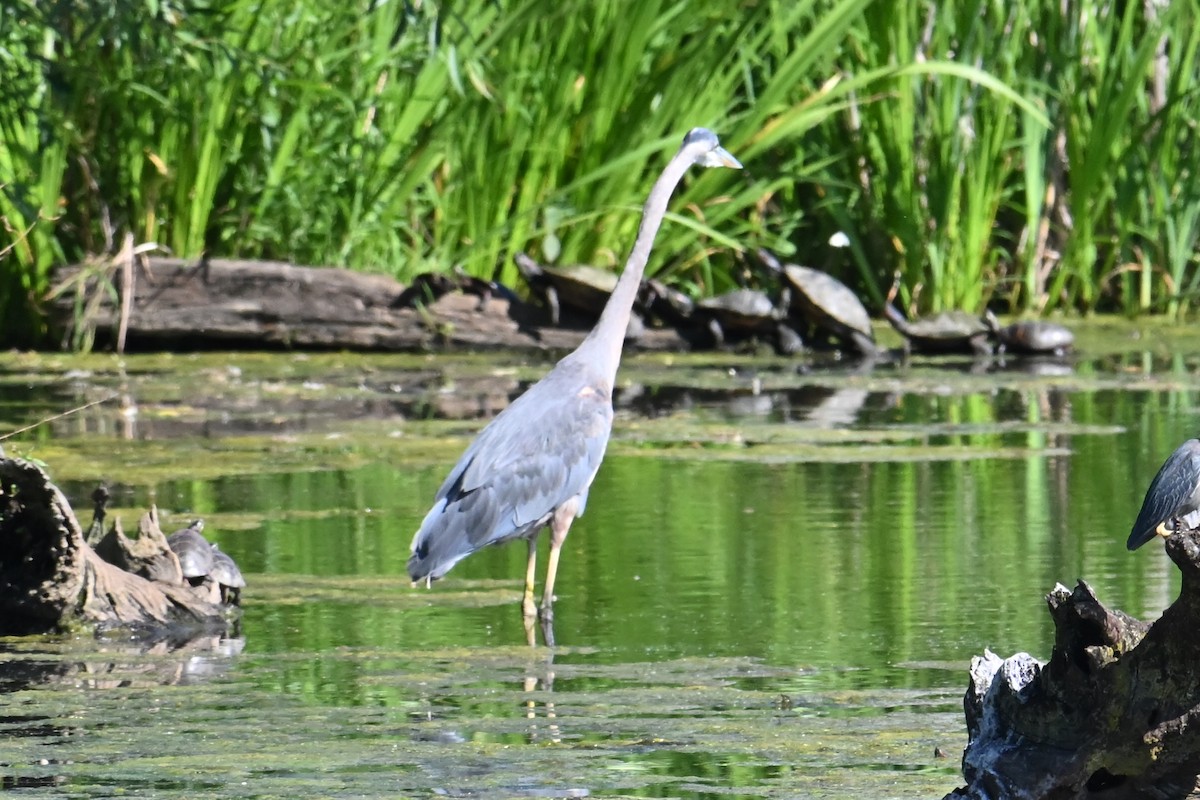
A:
(825, 303)
(193, 551)
(947, 332)
(428, 287)
(748, 312)
(482, 288)
(581, 287)
(227, 575)
(1030, 336)
(666, 303)
(425, 288)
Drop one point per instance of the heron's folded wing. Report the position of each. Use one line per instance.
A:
(541, 451)
(1168, 492)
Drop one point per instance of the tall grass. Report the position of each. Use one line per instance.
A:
(33, 160)
(1010, 153)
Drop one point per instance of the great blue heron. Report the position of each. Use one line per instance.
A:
(1173, 497)
(532, 465)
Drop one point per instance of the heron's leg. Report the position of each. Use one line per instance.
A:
(528, 607)
(560, 526)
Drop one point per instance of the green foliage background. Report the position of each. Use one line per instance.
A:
(1033, 154)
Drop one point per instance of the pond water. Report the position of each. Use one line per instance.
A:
(776, 591)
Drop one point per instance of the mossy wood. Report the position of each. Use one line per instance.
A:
(52, 580)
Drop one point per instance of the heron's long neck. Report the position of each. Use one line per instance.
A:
(602, 347)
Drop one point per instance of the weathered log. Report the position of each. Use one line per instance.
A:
(148, 555)
(224, 303)
(1114, 713)
(51, 580)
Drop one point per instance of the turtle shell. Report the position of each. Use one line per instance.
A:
(946, 332)
(745, 309)
(1034, 336)
(582, 287)
(193, 551)
(225, 570)
(827, 302)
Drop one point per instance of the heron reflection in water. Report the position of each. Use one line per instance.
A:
(532, 465)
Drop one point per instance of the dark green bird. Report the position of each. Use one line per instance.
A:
(1172, 499)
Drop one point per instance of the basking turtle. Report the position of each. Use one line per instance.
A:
(193, 551)
(428, 287)
(425, 288)
(947, 332)
(747, 312)
(482, 288)
(227, 575)
(581, 287)
(666, 303)
(826, 303)
(1030, 336)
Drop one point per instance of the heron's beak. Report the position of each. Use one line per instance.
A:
(719, 157)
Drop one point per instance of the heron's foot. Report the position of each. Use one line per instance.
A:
(548, 630)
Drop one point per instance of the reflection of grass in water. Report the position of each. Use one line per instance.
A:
(346, 404)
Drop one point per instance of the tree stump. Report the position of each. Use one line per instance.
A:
(1114, 713)
(52, 580)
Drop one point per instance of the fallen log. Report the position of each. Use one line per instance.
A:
(53, 581)
(231, 303)
(1114, 713)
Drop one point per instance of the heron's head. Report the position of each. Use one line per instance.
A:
(707, 147)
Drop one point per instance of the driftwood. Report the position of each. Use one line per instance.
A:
(52, 580)
(224, 303)
(1114, 713)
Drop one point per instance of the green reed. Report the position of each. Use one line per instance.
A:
(987, 151)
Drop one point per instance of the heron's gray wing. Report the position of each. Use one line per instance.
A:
(1171, 492)
(543, 450)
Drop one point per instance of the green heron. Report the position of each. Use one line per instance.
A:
(1173, 497)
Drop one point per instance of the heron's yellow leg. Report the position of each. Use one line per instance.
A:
(560, 526)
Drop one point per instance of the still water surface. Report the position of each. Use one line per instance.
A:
(776, 591)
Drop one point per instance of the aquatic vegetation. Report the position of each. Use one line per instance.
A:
(778, 598)
(417, 136)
